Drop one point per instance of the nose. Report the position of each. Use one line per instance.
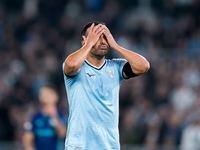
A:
(103, 38)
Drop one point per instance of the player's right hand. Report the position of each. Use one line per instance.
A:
(94, 33)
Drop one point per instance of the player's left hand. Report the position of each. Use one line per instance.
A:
(51, 110)
(111, 41)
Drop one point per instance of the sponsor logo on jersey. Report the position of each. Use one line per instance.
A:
(90, 75)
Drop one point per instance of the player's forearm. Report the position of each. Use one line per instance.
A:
(28, 141)
(74, 61)
(60, 128)
(138, 63)
(28, 146)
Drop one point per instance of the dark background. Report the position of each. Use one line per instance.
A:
(37, 35)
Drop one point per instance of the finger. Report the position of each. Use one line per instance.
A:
(92, 25)
(107, 31)
(91, 28)
(99, 30)
(105, 27)
(95, 29)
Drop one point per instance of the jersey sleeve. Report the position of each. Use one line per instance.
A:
(29, 125)
(63, 66)
(66, 78)
(120, 64)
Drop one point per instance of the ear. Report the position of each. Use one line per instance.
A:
(83, 40)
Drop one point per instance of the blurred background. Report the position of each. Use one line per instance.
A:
(158, 110)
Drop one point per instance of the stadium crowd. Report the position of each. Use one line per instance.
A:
(156, 109)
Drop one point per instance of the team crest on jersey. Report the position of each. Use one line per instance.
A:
(110, 73)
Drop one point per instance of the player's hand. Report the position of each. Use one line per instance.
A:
(111, 41)
(30, 149)
(51, 110)
(93, 34)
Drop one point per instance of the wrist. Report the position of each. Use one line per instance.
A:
(89, 45)
(114, 46)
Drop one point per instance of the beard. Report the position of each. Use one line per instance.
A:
(98, 52)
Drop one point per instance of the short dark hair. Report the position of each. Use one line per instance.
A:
(83, 32)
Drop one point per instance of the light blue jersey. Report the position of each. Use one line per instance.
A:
(93, 97)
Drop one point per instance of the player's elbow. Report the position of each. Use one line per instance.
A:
(70, 64)
(146, 66)
(142, 69)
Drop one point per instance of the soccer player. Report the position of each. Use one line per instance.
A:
(92, 84)
(47, 129)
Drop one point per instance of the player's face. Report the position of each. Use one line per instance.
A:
(48, 96)
(100, 49)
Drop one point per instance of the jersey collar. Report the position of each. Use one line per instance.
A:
(98, 68)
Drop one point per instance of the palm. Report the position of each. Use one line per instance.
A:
(94, 33)
(110, 39)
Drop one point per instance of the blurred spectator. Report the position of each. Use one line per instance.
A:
(191, 135)
(47, 128)
(36, 36)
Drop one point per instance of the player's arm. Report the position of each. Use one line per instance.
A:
(28, 141)
(74, 61)
(60, 128)
(55, 120)
(138, 64)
